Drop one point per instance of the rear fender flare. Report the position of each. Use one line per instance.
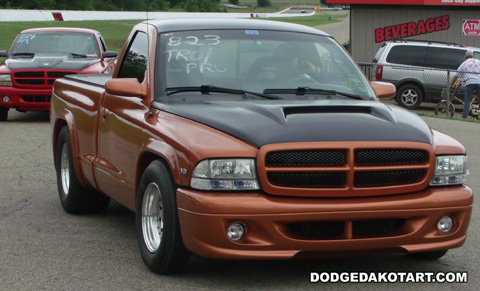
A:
(66, 118)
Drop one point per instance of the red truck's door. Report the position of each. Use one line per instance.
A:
(120, 130)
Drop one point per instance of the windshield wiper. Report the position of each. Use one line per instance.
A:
(22, 54)
(75, 55)
(307, 90)
(207, 89)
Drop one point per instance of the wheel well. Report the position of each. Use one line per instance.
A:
(144, 160)
(400, 85)
(59, 124)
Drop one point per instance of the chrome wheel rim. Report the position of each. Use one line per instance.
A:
(65, 169)
(152, 217)
(409, 97)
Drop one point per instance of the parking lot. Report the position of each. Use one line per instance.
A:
(42, 247)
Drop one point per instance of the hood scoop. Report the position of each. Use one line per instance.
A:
(380, 112)
(48, 62)
(325, 109)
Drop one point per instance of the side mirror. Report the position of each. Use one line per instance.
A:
(3, 54)
(383, 89)
(110, 54)
(128, 87)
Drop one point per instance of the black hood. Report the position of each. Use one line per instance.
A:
(267, 122)
(49, 61)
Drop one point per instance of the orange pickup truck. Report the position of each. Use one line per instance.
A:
(249, 139)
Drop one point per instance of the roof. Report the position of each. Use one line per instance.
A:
(405, 2)
(416, 42)
(168, 25)
(60, 29)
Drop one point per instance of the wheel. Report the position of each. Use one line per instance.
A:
(445, 108)
(409, 96)
(430, 256)
(73, 196)
(3, 113)
(157, 224)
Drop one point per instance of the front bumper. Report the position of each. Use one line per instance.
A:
(204, 218)
(26, 99)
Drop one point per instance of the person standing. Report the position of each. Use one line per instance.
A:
(469, 71)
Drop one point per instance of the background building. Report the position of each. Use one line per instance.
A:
(372, 22)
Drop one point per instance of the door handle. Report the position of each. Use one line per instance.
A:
(105, 114)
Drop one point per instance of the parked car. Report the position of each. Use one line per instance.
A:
(225, 150)
(419, 69)
(39, 56)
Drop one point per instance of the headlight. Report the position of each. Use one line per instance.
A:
(225, 174)
(450, 170)
(6, 80)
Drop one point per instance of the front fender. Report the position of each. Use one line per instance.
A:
(152, 150)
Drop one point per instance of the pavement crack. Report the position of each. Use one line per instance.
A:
(5, 212)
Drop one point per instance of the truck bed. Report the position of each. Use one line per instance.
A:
(92, 79)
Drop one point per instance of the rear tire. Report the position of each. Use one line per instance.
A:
(3, 113)
(409, 96)
(429, 256)
(74, 197)
(157, 223)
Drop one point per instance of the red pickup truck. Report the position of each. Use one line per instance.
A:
(249, 139)
(41, 55)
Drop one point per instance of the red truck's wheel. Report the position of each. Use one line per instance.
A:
(73, 196)
(157, 224)
(3, 113)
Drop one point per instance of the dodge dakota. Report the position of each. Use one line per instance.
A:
(41, 55)
(250, 139)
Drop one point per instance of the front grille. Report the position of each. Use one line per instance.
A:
(39, 78)
(338, 229)
(390, 178)
(345, 169)
(36, 98)
(390, 157)
(308, 180)
(306, 158)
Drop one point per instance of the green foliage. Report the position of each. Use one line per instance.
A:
(192, 6)
(234, 2)
(264, 3)
(113, 5)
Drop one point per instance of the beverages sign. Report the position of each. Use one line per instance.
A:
(471, 27)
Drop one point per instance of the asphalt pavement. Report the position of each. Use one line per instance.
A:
(44, 248)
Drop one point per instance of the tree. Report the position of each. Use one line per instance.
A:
(234, 2)
(191, 6)
(264, 3)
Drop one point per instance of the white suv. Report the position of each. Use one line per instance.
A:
(418, 69)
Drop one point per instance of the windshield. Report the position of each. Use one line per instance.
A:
(76, 44)
(257, 61)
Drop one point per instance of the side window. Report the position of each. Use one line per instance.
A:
(102, 43)
(135, 62)
(476, 55)
(407, 55)
(444, 58)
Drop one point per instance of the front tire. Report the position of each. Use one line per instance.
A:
(74, 197)
(3, 113)
(157, 224)
(445, 108)
(409, 96)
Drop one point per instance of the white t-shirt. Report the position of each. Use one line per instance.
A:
(471, 65)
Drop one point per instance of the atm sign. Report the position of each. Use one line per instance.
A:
(471, 27)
